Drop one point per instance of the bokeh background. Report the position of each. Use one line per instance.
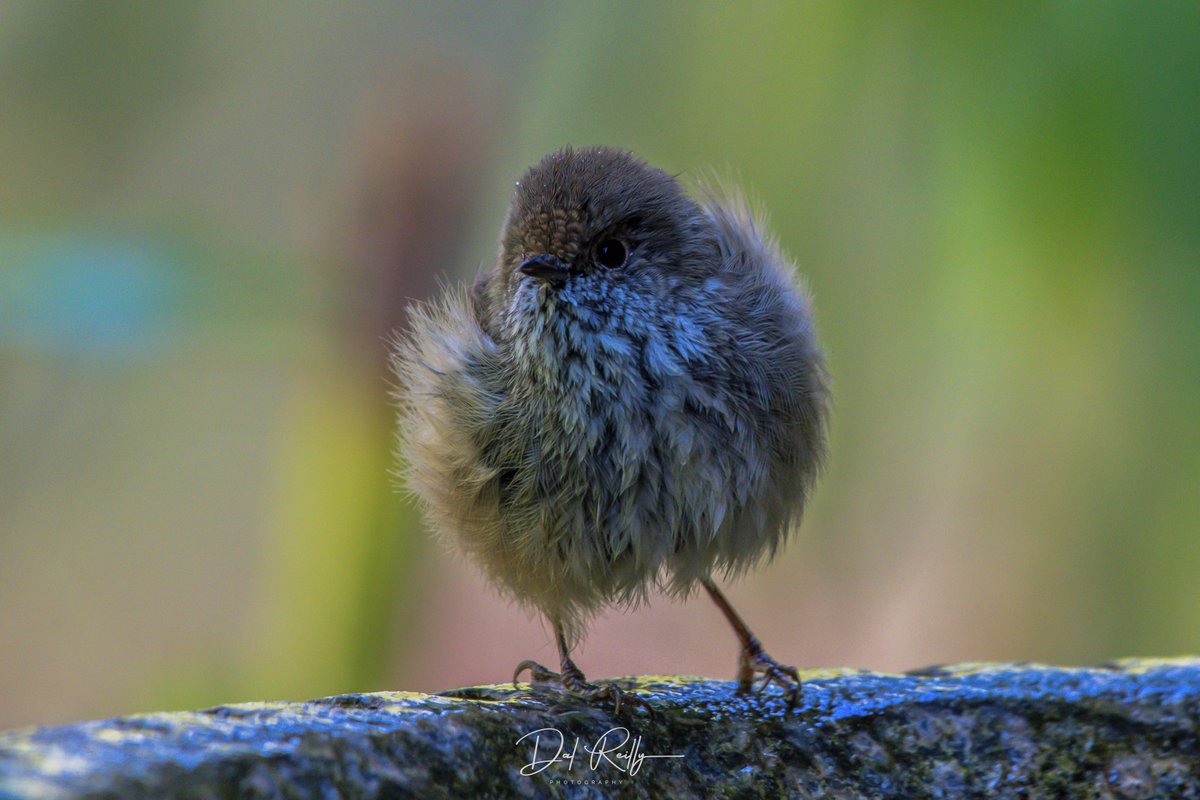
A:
(212, 214)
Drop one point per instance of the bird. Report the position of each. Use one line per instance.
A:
(632, 399)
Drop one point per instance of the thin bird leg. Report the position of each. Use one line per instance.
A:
(572, 679)
(753, 659)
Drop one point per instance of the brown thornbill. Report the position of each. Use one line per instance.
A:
(633, 397)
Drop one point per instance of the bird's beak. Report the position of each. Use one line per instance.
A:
(546, 268)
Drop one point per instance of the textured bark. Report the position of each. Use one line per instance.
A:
(1122, 730)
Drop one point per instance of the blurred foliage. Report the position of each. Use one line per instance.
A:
(995, 206)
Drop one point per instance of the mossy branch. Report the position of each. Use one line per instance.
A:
(1123, 730)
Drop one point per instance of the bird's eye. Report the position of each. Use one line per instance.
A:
(610, 253)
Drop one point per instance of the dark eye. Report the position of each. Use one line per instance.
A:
(610, 253)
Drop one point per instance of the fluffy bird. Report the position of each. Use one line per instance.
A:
(632, 398)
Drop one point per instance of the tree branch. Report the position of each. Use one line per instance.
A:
(1123, 730)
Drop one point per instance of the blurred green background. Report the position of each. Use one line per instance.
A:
(211, 215)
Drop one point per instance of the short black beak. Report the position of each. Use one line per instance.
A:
(547, 268)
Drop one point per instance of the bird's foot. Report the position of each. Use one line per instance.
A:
(537, 673)
(571, 679)
(756, 662)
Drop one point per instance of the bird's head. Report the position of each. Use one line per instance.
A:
(597, 218)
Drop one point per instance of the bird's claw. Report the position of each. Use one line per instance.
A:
(537, 673)
(756, 663)
(572, 680)
(610, 692)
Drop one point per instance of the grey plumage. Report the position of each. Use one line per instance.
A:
(588, 432)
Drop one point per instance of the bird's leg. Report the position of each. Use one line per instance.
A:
(572, 679)
(754, 660)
